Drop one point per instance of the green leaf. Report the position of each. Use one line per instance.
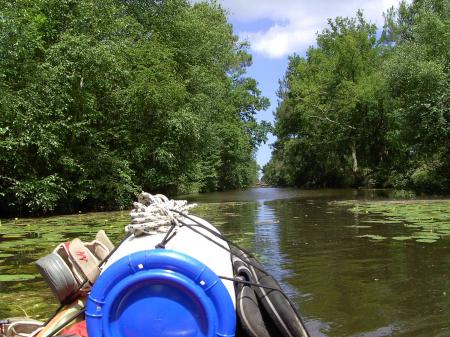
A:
(16, 278)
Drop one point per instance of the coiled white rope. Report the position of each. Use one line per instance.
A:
(153, 214)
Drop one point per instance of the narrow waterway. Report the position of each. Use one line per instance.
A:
(342, 283)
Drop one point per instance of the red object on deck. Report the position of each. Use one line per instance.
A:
(78, 329)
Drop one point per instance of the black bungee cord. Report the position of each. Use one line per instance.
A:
(218, 235)
(247, 261)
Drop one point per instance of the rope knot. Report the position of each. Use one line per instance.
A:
(154, 214)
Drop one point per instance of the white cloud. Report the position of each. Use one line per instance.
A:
(296, 22)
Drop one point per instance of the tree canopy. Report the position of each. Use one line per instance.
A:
(361, 110)
(101, 99)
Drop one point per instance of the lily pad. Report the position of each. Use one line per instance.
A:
(402, 238)
(426, 240)
(372, 237)
(358, 226)
(4, 255)
(426, 235)
(383, 221)
(13, 236)
(16, 278)
(412, 226)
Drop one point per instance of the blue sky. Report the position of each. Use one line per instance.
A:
(276, 29)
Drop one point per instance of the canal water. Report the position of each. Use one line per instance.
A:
(342, 283)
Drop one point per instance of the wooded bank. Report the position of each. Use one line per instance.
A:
(369, 109)
(102, 99)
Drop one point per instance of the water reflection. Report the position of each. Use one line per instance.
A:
(267, 244)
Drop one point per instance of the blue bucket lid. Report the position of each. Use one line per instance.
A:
(159, 293)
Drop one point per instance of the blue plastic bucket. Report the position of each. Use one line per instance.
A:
(160, 293)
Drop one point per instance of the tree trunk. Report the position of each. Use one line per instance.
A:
(355, 160)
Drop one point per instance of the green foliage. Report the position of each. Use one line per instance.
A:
(330, 124)
(100, 100)
(357, 111)
(417, 73)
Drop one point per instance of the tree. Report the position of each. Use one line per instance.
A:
(417, 74)
(331, 121)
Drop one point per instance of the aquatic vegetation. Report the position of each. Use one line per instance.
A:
(425, 240)
(430, 219)
(24, 302)
(16, 277)
(372, 237)
(23, 241)
(401, 238)
(4, 255)
(382, 221)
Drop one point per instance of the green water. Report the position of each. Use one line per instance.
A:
(354, 268)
